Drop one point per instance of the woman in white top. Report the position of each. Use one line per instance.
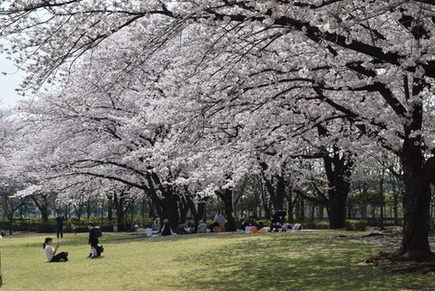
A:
(50, 249)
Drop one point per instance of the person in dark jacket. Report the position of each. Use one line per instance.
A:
(59, 225)
(166, 229)
(93, 240)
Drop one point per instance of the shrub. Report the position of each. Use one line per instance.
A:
(46, 226)
(356, 225)
(309, 224)
(322, 225)
(38, 225)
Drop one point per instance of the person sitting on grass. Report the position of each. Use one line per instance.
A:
(253, 222)
(182, 228)
(202, 227)
(50, 249)
(278, 220)
(219, 220)
(166, 229)
(156, 225)
(297, 226)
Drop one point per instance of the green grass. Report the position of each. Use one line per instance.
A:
(321, 260)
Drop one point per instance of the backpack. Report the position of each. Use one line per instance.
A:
(99, 231)
(100, 249)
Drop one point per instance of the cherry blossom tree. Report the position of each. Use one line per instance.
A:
(368, 63)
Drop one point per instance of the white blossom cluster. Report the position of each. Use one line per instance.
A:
(195, 95)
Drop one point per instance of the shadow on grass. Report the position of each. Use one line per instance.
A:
(293, 262)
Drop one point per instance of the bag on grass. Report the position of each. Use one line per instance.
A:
(99, 249)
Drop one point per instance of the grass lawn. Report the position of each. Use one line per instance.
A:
(320, 260)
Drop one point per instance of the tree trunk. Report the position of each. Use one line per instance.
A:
(364, 203)
(41, 205)
(381, 200)
(201, 210)
(109, 207)
(395, 200)
(265, 204)
(337, 211)
(417, 174)
(120, 214)
(416, 202)
(10, 224)
(321, 208)
(338, 167)
(312, 212)
(338, 194)
(88, 209)
(44, 214)
(290, 210)
(227, 197)
(349, 211)
(301, 210)
(172, 209)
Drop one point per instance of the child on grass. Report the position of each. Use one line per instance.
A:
(50, 249)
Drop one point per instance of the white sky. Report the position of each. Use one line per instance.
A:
(8, 83)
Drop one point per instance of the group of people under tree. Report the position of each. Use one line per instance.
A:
(218, 224)
(277, 224)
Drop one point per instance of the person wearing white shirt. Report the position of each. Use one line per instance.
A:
(50, 249)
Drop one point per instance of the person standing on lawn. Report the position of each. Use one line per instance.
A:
(59, 225)
(93, 240)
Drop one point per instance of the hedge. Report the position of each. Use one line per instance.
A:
(356, 225)
(38, 225)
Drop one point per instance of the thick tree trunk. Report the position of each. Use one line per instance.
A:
(42, 205)
(227, 197)
(416, 203)
(339, 190)
(194, 211)
(337, 210)
(275, 186)
(201, 210)
(276, 191)
(44, 214)
(172, 210)
(417, 174)
(184, 208)
(338, 167)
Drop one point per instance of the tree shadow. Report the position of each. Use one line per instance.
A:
(286, 262)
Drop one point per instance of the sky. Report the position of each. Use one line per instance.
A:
(8, 83)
